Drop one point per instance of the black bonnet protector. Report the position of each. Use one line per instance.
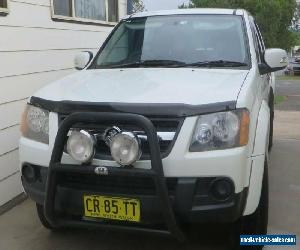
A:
(146, 109)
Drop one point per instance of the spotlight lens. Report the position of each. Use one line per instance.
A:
(125, 148)
(222, 189)
(81, 146)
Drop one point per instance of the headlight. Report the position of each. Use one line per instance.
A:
(81, 146)
(221, 131)
(125, 148)
(35, 124)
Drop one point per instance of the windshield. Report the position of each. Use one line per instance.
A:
(179, 40)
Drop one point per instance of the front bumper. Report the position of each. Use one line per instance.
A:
(191, 198)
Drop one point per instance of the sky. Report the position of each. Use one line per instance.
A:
(163, 4)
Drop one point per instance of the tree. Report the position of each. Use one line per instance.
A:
(274, 17)
(138, 6)
(296, 19)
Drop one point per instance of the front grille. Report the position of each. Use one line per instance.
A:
(161, 125)
(114, 184)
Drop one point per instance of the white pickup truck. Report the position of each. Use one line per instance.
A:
(170, 123)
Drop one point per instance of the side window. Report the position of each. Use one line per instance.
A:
(113, 11)
(86, 10)
(126, 45)
(120, 50)
(3, 6)
(90, 9)
(117, 48)
(62, 7)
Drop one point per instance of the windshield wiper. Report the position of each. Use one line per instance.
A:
(174, 63)
(162, 63)
(217, 63)
(147, 63)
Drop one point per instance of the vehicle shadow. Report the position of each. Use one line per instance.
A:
(205, 237)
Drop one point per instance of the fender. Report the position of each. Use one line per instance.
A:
(258, 158)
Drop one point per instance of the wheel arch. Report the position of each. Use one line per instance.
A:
(259, 155)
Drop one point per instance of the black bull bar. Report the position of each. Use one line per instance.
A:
(156, 172)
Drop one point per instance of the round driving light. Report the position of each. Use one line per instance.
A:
(222, 189)
(125, 148)
(81, 146)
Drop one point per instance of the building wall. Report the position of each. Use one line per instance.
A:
(34, 50)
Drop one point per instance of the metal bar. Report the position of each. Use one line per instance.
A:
(162, 136)
(156, 163)
(111, 170)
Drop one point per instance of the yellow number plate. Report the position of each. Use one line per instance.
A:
(112, 208)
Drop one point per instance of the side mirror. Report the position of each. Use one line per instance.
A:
(275, 60)
(82, 59)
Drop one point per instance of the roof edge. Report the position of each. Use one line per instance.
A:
(190, 11)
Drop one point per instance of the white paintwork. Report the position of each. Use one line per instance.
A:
(258, 159)
(262, 130)
(34, 51)
(255, 184)
(243, 165)
(144, 85)
(82, 59)
(276, 58)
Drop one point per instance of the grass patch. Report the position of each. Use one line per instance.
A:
(279, 99)
(289, 77)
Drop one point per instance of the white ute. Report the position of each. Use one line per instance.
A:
(170, 123)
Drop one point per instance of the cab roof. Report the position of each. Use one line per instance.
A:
(191, 11)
